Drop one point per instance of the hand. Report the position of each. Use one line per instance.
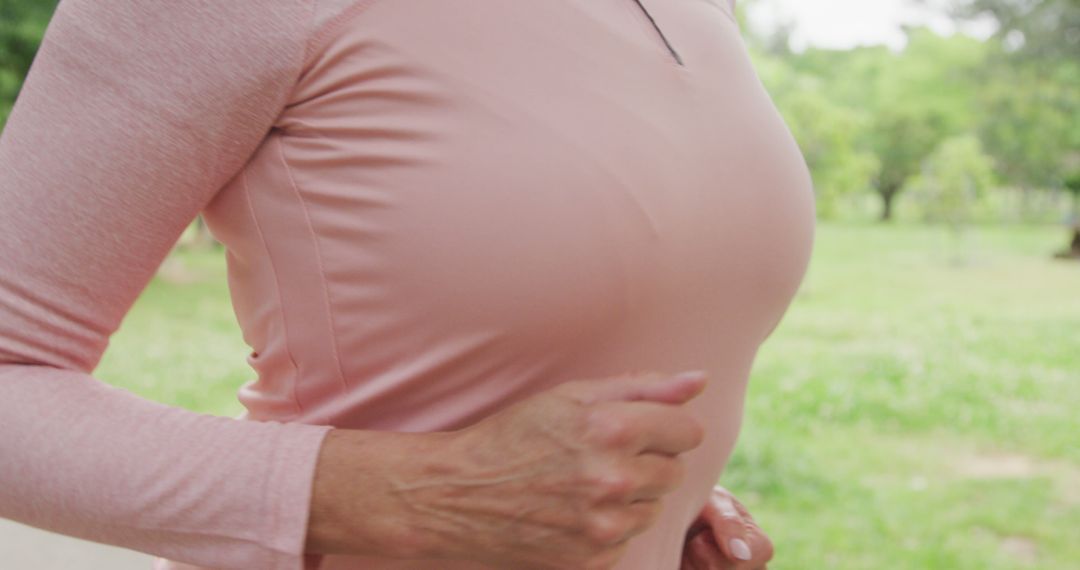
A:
(560, 480)
(723, 521)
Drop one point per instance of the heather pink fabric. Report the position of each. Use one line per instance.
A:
(431, 210)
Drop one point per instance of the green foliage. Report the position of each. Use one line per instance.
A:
(954, 177)
(22, 25)
(1030, 123)
(916, 99)
(866, 118)
(1072, 184)
(1032, 29)
(826, 131)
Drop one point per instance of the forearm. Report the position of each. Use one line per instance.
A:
(357, 507)
(558, 480)
(81, 458)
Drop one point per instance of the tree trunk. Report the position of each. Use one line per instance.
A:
(887, 194)
(1073, 250)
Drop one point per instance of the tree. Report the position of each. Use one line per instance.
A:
(1030, 120)
(924, 97)
(827, 131)
(1072, 184)
(902, 137)
(953, 178)
(1038, 30)
(1032, 94)
(22, 25)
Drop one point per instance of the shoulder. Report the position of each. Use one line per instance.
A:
(251, 40)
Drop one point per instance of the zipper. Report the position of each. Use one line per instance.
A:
(659, 32)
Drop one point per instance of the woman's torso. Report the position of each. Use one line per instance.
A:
(467, 202)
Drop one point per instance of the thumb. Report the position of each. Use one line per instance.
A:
(653, 387)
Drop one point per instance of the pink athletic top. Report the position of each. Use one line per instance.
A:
(431, 209)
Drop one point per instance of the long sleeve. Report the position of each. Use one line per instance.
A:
(133, 115)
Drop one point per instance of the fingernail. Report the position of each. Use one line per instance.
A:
(727, 508)
(740, 549)
(691, 375)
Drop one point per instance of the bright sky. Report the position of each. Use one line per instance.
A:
(845, 23)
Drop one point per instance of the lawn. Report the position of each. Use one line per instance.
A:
(919, 406)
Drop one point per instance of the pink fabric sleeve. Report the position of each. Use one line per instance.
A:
(133, 115)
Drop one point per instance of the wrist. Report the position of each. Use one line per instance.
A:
(358, 505)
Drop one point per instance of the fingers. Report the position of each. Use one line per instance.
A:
(759, 542)
(706, 555)
(659, 475)
(646, 477)
(735, 532)
(652, 386)
(615, 525)
(702, 553)
(725, 537)
(646, 427)
(689, 561)
(728, 529)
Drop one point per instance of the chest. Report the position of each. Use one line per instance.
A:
(547, 166)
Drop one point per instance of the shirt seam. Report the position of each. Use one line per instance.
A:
(327, 299)
(277, 291)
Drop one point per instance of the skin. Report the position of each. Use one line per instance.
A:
(709, 540)
(590, 465)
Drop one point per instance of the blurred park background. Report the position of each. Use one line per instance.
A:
(919, 406)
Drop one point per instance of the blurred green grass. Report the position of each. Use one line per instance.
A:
(918, 407)
(180, 343)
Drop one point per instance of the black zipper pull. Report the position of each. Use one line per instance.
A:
(674, 54)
